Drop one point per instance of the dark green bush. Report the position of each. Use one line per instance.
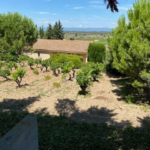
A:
(96, 52)
(5, 73)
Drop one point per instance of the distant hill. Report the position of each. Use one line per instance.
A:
(85, 29)
(88, 29)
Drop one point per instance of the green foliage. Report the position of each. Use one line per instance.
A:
(71, 38)
(129, 44)
(41, 32)
(5, 73)
(38, 61)
(31, 62)
(54, 66)
(96, 52)
(47, 78)
(45, 64)
(2, 64)
(22, 59)
(96, 69)
(36, 72)
(55, 32)
(66, 68)
(129, 99)
(83, 78)
(56, 84)
(12, 65)
(18, 75)
(16, 32)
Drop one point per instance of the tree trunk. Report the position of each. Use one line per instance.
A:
(69, 76)
(74, 73)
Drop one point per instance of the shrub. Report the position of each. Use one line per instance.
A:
(54, 66)
(83, 79)
(66, 68)
(38, 61)
(5, 73)
(12, 65)
(31, 62)
(18, 75)
(22, 60)
(47, 78)
(45, 64)
(96, 52)
(96, 68)
(56, 84)
(71, 38)
(36, 72)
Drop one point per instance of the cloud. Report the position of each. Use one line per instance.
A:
(78, 7)
(98, 7)
(45, 13)
(96, 2)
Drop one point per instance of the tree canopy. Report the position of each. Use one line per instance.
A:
(16, 32)
(130, 44)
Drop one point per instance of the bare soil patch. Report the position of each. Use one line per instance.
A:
(104, 104)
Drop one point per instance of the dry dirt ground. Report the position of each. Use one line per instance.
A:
(40, 96)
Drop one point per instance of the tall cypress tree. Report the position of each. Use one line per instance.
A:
(41, 32)
(61, 32)
(49, 32)
(56, 31)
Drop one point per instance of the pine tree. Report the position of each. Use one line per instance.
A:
(49, 32)
(130, 46)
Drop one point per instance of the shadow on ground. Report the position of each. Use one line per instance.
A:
(65, 133)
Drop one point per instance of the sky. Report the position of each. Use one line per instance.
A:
(71, 13)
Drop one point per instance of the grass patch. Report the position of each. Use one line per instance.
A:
(47, 78)
(66, 134)
(55, 84)
(43, 94)
(36, 72)
(144, 108)
(88, 95)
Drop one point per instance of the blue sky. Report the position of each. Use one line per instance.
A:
(72, 13)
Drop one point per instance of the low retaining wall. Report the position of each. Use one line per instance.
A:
(24, 136)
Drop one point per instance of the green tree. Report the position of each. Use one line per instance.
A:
(49, 32)
(18, 75)
(16, 32)
(60, 31)
(130, 46)
(56, 31)
(41, 32)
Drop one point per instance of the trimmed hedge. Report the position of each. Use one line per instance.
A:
(96, 52)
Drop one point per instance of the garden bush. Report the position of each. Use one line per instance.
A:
(12, 65)
(22, 60)
(45, 64)
(83, 78)
(18, 75)
(5, 73)
(31, 62)
(38, 61)
(96, 52)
